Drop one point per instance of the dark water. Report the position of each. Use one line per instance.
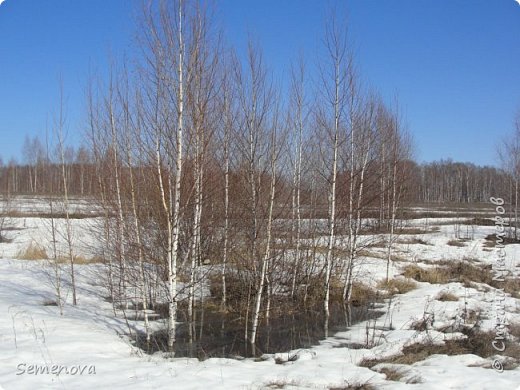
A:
(217, 334)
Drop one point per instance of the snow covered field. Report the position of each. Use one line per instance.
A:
(88, 348)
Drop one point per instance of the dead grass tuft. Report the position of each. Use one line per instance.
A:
(397, 285)
(280, 384)
(510, 286)
(363, 295)
(446, 296)
(413, 240)
(477, 343)
(354, 386)
(430, 275)
(32, 252)
(491, 240)
(392, 374)
(457, 243)
(79, 259)
(514, 330)
(456, 271)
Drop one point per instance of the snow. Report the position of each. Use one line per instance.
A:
(89, 336)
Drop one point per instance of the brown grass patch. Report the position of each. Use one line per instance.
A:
(514, 330)
(56, 215)
(491, 240)
(380, 255)
(377, 244)
(479, 221)
(397, 285)
(354, 386)
(280, 384)
(430, 275)
(455, 271)
(511, 286)
(392, 374)
(79, 259)
(413, 240)
(415, 230)
(367, 253)
(477, 342)
(446, 296)
(458, 243)
(32, 252)
(363, 295)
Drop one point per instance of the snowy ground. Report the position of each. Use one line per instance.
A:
(87, 346)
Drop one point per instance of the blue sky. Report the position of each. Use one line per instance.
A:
(454, 64)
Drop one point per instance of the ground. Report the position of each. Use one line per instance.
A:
(88, 347)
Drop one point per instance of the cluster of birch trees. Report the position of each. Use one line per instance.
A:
(210, 174)
(211, 177)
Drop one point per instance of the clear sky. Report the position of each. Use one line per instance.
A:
(454, 64)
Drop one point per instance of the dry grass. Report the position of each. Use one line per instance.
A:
(477, 342)
(398, 231)
(399, 258)
(446, 296)
(354, 386)
(457, 243)
(367, 253)
(56, 215)
(392, 374)
(280, 384)
(457, 271)
(79, 259)
(418, 352)
(423, 324)
(511, 286)
(377, 244)
(381, 255)
(37, 252)
(430, 275)
(397, 285)
(32, 252)
(363, 295)
(514, 330)
(491, 241)
(416, 230)
(479, 221)
(412, 240)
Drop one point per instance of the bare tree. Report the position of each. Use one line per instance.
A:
(334, 91)
(59, 123)
(299, 104)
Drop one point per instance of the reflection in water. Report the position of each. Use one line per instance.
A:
(222, 334)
